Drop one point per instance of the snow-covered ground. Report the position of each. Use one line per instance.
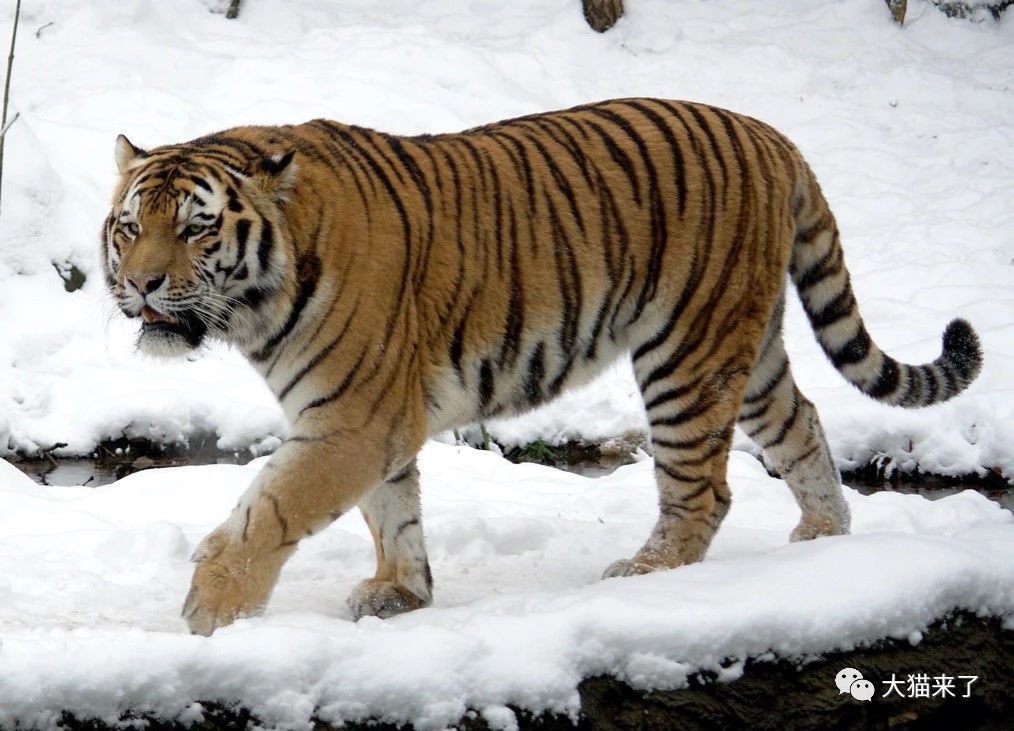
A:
(91, 581)
(911, 132)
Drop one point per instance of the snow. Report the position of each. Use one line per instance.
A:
(910, 131)
(91, 581)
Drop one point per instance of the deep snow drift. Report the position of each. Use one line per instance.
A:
(91, 581)
(911, 132)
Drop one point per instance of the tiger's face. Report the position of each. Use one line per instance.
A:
(191, 245)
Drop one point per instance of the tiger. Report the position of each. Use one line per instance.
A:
(391, 288)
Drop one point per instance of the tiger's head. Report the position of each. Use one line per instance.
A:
(194, 242)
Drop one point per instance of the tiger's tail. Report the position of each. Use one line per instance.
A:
(817, 268)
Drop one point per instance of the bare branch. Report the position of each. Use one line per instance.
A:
(7, 89)
(3, 132)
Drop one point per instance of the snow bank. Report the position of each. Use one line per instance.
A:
(91, 581)
(910, 131)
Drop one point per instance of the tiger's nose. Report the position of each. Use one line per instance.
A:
(146, 283)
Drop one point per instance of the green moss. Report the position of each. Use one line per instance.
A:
(537, 451)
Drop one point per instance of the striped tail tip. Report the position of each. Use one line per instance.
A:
(962, 351)
(917, 386)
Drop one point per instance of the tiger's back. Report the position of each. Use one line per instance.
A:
(540, 248)
(413, 284)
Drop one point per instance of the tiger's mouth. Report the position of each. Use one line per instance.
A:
(182, 328)
(153, 317)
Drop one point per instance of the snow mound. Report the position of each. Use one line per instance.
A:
(91, 581)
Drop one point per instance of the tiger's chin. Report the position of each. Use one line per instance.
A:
(170, 336)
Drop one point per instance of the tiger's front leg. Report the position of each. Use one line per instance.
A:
(403, 581)
(308, 483)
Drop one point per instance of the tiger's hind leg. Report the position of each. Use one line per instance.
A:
(785, 425)
(403, 581)
(692, 412)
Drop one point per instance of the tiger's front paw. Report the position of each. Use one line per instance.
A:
(383, 599)
(228, 583)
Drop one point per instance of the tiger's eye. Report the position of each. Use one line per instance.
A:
(131, 229)
(194, 229)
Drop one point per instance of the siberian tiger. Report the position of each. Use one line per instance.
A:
(389, 288)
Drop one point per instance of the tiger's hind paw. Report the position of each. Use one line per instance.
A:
(817, 525)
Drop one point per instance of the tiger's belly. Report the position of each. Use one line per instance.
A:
(484, 389)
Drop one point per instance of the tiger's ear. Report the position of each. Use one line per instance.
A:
(277, 174)
(126, 153)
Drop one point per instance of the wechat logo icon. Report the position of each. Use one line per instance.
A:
(850, 680)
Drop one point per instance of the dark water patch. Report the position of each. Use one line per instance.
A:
(933, 487)
(113, 460)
